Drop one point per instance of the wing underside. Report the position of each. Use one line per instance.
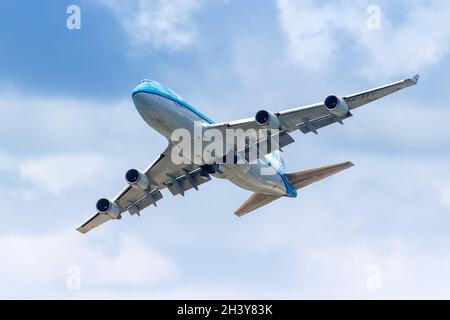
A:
(162, 173)
(316, 116)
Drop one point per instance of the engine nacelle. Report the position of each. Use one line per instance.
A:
(137, 179)
(109, 208)
(337, 106)
(267, 119)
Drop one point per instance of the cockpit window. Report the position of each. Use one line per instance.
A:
(145, 80)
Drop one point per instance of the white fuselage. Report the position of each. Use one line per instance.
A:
(165, 112)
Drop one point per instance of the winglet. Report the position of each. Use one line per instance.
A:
(415, 79)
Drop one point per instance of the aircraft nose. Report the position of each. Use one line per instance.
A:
(144, 100)
(143, 86)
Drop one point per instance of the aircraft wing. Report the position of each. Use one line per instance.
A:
(313, 117)
(162, 173)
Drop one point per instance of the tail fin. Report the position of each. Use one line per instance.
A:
(298, 180)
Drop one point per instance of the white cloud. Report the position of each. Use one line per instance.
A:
(162, 24)
(310, 29)
(60, 143)
(7, 162)
(398, 125)
(39, 263)
(56, 173)
(420, 41)
(444, 192)
(342, 272)
(47, 122)
(318, 32)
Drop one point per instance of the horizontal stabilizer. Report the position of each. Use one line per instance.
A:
(304, 178)
(256, 200)
(298, 180)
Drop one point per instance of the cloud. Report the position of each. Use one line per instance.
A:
(66, 141)
(310, 30)
(400, 123)
(318, 33)
(348, 272)
(444, 192)
(56, 173)
(53, 124)
(158, 23)
(7, 162)
(420, 41)
(32, 263)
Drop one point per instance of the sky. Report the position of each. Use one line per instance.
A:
(70, 131)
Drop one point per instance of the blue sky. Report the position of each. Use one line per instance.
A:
(70, 132)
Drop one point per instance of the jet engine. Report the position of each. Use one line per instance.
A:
(109, 208)
(137, 179)
(267, 119)
(337, 106)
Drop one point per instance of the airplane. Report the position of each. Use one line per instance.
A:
(266, 176)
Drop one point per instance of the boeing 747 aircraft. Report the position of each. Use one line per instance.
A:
(266, 176)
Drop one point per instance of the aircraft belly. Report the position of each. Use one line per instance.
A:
(250, 177)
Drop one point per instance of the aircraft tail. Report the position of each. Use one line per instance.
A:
(298, 180)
